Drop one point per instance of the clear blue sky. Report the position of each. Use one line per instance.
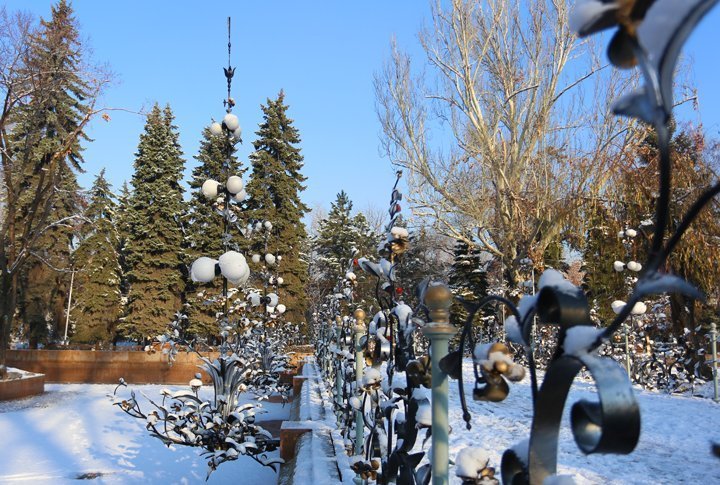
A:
(322, 53)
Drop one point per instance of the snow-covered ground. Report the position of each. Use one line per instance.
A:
(73, 430)
(674, 442)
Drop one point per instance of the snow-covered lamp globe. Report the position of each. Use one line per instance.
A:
(210, 188)
(216, 128)
(237, 133)
(270, 259)
(234, 184)
(272, 299)
(280, 308)
(203, 270)
(255, 258)
(234, 267)
(231, 122)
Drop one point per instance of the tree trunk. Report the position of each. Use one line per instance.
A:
(7, 311)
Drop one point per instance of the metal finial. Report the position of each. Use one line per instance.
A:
(229, 73)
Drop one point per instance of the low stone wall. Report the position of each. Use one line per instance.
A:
(19, 388)
(106, 367)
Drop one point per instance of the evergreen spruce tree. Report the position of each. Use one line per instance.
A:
(468, 279)
(123, 229)
(206, 236)
(41, 130)
(155, 239)
(340, 238)
(98, 304)
(274, 195)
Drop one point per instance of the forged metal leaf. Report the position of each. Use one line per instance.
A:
(451, 364)
(423, 475)
(638, 104)
(655, 283)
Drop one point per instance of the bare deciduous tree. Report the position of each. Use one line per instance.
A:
(508, 132)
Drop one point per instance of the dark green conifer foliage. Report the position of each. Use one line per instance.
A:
(41, 128)
(274, 195)
(155, 239)
(123, 231)
(97, 280)
(468, 279)
(340, 238)
(206, 228)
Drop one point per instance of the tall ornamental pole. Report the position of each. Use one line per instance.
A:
(438, 300)
(360, 330)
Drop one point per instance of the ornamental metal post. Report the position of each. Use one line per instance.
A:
(627, 347)
(713, 337)
(338, 362)
(438, 300)
(359, 358)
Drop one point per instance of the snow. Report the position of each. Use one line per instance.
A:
(579, 338)
(682, 422)
(73, 429)
(513, 331)
(470, 461)
(14, 373)
(555, 279)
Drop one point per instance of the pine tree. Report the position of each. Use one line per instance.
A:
(342, 237)
(156, 240)
(42, 128)
(206, 234)
(274, 195)
(98, 303)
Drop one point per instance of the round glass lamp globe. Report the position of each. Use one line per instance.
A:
(231, 122)
(203, 270)
(234, 184)
(210, 188)
(234, 267)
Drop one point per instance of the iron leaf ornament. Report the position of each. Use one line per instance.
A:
(650, 34)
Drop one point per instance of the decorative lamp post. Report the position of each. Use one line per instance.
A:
(438, 300)
(360, 330)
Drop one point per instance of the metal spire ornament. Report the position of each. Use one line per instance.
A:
(223, 426)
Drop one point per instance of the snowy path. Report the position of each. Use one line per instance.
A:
(674, 443)
(73, 430)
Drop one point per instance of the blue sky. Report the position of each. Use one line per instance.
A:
(322, 53)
